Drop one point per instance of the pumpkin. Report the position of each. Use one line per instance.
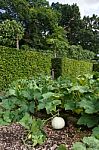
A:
(58, 123)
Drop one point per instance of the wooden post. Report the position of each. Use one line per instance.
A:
(53, 74)
(17, 42)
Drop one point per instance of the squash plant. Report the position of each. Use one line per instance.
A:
(35, 94)
(88, 143)
(90, 104)
(34, 128)
(28, 96)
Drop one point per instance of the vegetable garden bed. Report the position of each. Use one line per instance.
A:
(28, 107)
(12, 137)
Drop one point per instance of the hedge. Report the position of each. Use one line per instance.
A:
(70, 68)
(16, 64)
(74, 68)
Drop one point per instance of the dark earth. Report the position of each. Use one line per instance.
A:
(11, 137)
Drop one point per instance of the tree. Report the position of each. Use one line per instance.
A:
(70, 19)
(84, 32)
(57, 42)
(37, 18)
(11, 33)
(88, 34)
(41, 24)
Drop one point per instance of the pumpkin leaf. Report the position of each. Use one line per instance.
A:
(78, 146)
(70, 105)
(88, 120)
(95, 132)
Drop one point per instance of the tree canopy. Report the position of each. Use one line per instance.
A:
(43, 22)
(11, 33)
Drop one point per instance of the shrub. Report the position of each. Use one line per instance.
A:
(16, 64)
(73, 68)
(70, 68)
(78, 53)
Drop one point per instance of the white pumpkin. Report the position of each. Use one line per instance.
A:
(58, 123)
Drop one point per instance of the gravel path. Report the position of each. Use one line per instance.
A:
(11, 137)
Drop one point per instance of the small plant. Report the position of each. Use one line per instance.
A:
(34, 128)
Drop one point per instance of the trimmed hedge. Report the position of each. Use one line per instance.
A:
(16, 64)
(96, 67)
(73, 68)
(70, 68)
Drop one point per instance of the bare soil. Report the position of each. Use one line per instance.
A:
(11, 137)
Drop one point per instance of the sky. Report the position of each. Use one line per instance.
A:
(87, 7)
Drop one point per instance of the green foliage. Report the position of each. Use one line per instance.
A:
(41, 20)
(73, 68)
(78, 145)
(88, 34)
(96, 67)
(28, 96)
(80, 96)
(95, 132)
(70, 68)
(82, 32)
(34, 127)
(26, 63)
(62, 147)
(57, 42)
(57, 67)
(78, 53)
(10, 33)
(88, 120)
(89, 143)
(21, 64)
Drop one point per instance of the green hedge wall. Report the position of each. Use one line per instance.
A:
(96, 67)
(16, 64)
(73, 68)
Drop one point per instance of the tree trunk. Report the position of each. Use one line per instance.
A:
(17, 42)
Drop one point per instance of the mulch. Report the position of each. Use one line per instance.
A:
(11, 137)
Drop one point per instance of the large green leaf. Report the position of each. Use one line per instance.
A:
(2, 122)
(91, 142)
(41, 105)
(91, 106)
(37, 94)
(31, 106)
(95, 132)
(47, 95)
(26, 121)
(78, 146)
(70, 105)
(51, 106)
(6, 117)
(27, 93)
(88, 106)
(9, 103)
(88, 120)
(81, 89)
